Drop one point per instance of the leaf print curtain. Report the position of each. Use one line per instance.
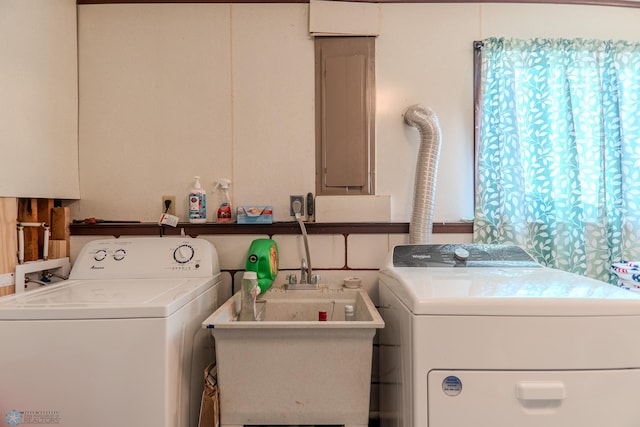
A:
(558, 156)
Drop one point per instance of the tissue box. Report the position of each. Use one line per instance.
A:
(254, 215)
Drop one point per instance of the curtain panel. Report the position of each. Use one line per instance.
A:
(558, 155)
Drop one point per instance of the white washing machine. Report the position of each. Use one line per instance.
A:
(118, 344)
(482, 335)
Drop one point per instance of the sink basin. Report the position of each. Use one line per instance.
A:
(279, 308)
(291, 369)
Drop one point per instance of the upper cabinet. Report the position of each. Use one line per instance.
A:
(38, 99)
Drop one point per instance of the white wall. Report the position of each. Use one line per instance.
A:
(38, 99)
(155, 88)
(168, 91)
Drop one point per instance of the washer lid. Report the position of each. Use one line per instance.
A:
(103, 299)
(509, 291)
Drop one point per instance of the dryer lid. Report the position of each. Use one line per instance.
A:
(104, 299)
(507, 292)
(503, 289)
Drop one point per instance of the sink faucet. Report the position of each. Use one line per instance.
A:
(308, 280)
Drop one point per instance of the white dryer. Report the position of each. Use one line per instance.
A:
(118, 344)
(482, 335)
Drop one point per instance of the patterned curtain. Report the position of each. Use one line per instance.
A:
(558, 156)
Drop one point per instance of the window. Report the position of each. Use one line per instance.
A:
(558, 150)
(345, 100)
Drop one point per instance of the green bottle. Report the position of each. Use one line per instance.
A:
(263, 259)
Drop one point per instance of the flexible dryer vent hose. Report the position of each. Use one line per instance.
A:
(426, 121)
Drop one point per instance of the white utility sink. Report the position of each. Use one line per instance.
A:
(279, 308)
(290, 368)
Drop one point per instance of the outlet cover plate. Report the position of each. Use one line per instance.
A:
(172, 206)
(293, 199)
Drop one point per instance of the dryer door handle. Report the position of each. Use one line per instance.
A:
(540, 390)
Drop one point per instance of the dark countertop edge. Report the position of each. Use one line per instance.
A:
(345, 228)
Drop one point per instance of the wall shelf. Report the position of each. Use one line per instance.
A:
(151, 228)
(618, 3)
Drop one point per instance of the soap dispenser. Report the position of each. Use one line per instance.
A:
(197, 203)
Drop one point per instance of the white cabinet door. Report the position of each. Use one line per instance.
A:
(534, 398)
(38, 99)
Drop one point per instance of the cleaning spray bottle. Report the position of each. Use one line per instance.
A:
(197, 203)
(224, 211)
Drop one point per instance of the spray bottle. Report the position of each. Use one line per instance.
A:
(250, 291)
(197, 203)
(224, 211)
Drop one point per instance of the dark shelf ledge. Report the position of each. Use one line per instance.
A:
(151, 228)
(620, 3)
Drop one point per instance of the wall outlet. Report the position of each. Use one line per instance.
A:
(293, 199)
(172, 206)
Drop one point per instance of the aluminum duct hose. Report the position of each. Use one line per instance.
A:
(426, 121)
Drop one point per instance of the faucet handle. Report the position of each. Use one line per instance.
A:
(304, 272)
(292, 279)
(315, 279)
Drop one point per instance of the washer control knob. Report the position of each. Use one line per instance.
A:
(183, 254)
(100, 255)
(119, 254)
(461, 254)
